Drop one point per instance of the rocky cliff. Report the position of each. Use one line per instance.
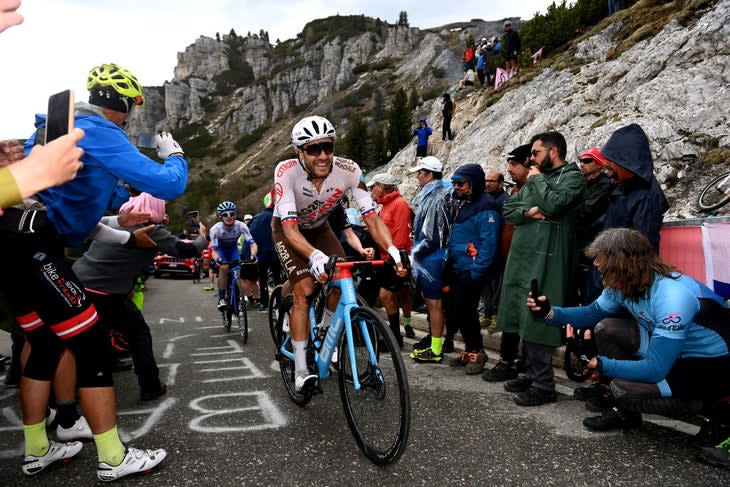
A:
(664, 65)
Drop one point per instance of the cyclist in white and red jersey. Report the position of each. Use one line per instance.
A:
(307, 189)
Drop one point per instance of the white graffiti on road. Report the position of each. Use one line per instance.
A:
(232, 347)
(261, 414)
(246, 364)
(153, 417)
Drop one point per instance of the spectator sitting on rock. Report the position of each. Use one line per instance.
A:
(469, 79)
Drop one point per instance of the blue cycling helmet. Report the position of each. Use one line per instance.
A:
(226, 206)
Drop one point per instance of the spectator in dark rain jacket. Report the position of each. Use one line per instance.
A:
(267, 259)
(638, 201)
(473, 248)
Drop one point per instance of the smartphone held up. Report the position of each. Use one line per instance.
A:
(60, 115)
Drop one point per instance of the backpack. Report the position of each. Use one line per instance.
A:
(453, 108)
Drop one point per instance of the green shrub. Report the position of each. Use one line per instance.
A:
(247, 140)
(356, 98)
(386, 63)
(361, 68)
(438, 73)
(342, 26)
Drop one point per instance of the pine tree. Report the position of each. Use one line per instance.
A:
(377, 149)
(379, 107)
(403, 18)
(413, 99)
(399, 123)
(357, 140)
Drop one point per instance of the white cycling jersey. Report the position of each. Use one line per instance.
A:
(227, 237)
(297, 201)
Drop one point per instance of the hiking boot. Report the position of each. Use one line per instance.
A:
(718, 455)
(410, 333)
(80, 430)
(584, 393)
(426, 355)
(460, 361)
(222, 305)
(521, 384)
(150, 395)
(613, 419)
(423, 343)
(711, 433)
(500, 372)
(476, 363)
(535, 397)
(448, 346)
(56, 451)
(304, 378)
(600, 404)
(135, 461)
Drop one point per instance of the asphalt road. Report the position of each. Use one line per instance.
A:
(227, 420)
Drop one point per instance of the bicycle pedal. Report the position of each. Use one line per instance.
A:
(317, 388)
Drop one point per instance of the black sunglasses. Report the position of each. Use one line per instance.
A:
(316, 149)
(461, 182)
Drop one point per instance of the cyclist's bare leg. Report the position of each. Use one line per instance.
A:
(222, 276)
(64, 380)
(300, 309)
(34, 399)
(405, 300)
(100, 408)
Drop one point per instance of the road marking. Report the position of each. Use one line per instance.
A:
(182, 336)
(233, 347)
(171, 374)
(154, 416)
(168, 351)
(198, 319)
(172, 320)
(16, 424)
(246, 364)
(208, 327)
(265, 413)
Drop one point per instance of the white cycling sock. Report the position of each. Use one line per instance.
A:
(300, 355)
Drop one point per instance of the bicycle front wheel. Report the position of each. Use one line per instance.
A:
(713, 196)
(379, 413)
(243, 322)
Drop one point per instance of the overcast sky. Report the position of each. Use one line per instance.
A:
(61, 40)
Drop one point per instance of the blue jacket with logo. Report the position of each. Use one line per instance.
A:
(674, 326)
(76, 207)
(477, 222)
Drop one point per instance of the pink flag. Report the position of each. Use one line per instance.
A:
(501, 76)
(537, 55)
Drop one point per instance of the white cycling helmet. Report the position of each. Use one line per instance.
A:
(310, 129)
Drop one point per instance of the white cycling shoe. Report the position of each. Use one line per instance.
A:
(302, 379)
(135, 461)
(222, 305)
(56, 451)
(79, 431)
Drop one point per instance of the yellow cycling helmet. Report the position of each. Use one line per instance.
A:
(120, 79)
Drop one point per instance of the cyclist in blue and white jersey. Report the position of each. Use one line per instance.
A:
(224, 235)
(675, 352)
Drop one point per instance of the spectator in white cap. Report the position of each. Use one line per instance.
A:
(395, 291)
(247, 218)
(430, 239)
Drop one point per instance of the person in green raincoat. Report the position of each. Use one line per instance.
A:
(544, 248)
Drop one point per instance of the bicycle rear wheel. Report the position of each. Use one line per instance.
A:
(274, 303)
(379, 414)
(712, 196)
(286, 365)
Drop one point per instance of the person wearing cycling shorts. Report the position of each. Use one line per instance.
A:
(47, 298)
(307, 189)
(675, 352)
(224, 236)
